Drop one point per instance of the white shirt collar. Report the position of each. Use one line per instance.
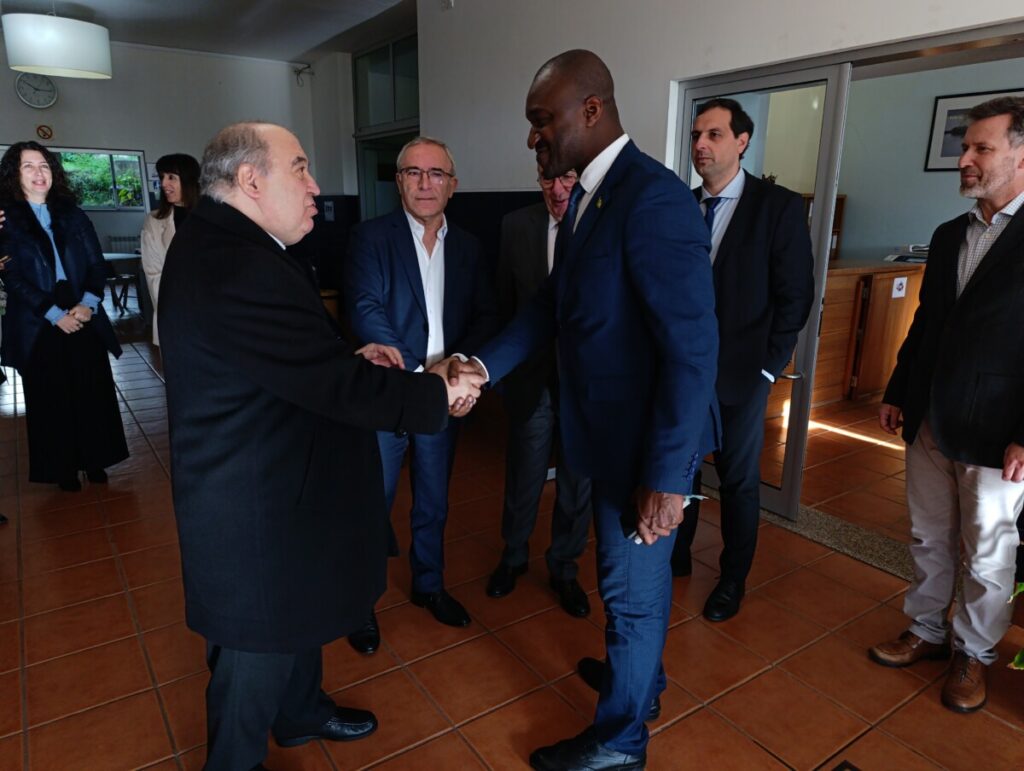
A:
(733, 190)
(277, 240)
(418, 229)
(597, 169)
(1009, 210)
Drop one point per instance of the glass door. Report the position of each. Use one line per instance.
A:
(798, 126)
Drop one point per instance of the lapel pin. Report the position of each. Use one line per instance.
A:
(600, 203)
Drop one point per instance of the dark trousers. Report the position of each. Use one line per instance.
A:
(430, 467)
(738, 464)
(635, 582)
(251, 694)
(526, 470)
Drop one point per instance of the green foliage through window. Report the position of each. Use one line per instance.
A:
(105, 180)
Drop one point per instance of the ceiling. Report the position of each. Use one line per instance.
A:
(285, 30)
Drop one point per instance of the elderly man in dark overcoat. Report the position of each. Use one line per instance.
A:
(276, 475)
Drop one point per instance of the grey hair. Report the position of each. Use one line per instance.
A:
(231, 147)
(1012, 106)
(426, 141)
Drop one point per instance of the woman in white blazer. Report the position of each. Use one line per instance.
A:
(179, 192)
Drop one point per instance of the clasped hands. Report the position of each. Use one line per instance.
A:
(657, 514)
(462, 379)
(74, 319)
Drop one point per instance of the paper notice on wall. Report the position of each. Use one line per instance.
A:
(899, 286)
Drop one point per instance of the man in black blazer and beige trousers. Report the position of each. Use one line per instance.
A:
(530, 395)
(764, 286)
(958, 392)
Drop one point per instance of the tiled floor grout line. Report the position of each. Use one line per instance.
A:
(23, 631)
(133, 610)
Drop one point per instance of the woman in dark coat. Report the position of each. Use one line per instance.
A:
(56, 333)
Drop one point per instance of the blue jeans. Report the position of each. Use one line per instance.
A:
(430, 467)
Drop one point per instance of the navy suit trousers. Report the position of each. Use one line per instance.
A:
(635, 583)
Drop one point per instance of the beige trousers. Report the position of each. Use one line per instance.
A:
(950, 502)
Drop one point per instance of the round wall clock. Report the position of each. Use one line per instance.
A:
(36, 90)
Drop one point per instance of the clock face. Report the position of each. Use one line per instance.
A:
(36, 90)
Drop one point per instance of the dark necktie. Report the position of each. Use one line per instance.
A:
(709, 211)
(565, 227)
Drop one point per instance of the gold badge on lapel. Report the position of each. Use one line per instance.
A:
(600, 203)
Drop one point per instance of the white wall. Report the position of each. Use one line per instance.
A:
(477, 59)
(163, 101)
(333, 125)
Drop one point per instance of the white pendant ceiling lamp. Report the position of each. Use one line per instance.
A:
(51, 45)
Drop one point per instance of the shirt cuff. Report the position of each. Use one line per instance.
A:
(90, 301)
(54, 315)
(419, 368)
(768, 375)
(463, 357)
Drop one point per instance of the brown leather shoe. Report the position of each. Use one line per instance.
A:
(964, 689)
(907, 649)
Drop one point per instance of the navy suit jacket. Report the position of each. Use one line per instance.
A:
(764, 286)
(631, 302)
(384, 290)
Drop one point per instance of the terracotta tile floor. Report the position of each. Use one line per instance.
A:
(98, 671)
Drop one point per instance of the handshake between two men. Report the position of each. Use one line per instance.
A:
(463, 378)
(658, 513)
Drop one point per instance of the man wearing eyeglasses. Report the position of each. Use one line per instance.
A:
(418, 283)
(530, 396)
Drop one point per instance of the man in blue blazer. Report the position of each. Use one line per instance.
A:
(631, 302)
(764, 287)
(418, 283)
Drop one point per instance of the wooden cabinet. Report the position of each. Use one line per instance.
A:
(882, 320)
(863, 326)
(862, 329)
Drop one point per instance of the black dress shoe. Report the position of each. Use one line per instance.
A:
(443, 606)
(571, 596)
(70, 485)
(584, 753)
(503, 579)
(345, 725)
(682, 563)
(724, 601)
(591, 672)
(97, 476)
(367, 639)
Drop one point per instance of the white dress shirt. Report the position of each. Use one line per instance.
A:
(432, 274)
(730, 197)
(595, 173)
(552, 234)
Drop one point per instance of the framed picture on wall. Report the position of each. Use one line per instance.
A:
(949, 124)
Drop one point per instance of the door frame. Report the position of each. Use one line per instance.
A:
(785, 500)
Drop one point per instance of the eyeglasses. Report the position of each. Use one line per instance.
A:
(567, 180)
(434, 176)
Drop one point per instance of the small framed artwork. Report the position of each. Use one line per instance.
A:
(949, 124)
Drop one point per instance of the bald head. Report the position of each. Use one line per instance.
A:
(585, 71)
(572, 112)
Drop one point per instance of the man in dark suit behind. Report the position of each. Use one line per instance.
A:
(764, 287)
(273, 455)
(631, 302)
(957, 391)
(530, 396)
(418, 283)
